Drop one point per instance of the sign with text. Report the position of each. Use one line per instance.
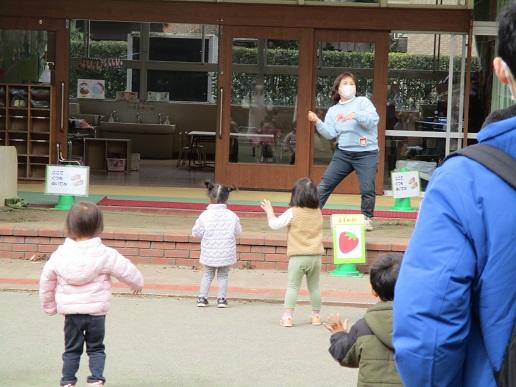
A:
(348, 238)
(405, 184)
(67, 180)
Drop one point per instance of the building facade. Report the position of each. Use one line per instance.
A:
(222, 90)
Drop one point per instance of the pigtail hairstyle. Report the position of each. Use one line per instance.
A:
(218, 193)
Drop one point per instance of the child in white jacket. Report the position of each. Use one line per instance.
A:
(218, 227)
(76, 282)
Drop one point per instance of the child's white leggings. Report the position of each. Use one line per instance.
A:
(222, 280)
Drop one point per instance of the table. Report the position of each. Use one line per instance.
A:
(198, 136)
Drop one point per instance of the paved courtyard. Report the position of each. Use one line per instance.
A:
(166, 341)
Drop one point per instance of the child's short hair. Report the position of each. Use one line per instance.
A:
(218, 193)
(304, 194)
(84, 220)
(384, 273)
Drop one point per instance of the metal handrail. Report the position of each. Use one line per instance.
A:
(62, 160)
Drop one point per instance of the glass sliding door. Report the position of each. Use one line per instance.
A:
(365, 55)
(260, 119)
(425, 102)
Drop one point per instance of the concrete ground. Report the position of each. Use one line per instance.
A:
(247, 285)
(161, 338)
(166, 341)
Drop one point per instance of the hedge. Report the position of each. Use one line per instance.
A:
(281, 89)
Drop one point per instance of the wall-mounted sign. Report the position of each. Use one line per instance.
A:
(348, 238)
(91, 88)
(405, 184)
(67, 180)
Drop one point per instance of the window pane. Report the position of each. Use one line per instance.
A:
(414, 153)
(183, 42)
(23, 57)
(245, 51)
(263, 127)
(98, 50)
(183, 85)
(263, 100)
(417, 92)
(433, 3)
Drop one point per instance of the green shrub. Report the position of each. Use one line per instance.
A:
(281, 89)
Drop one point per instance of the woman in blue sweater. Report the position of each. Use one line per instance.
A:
(353, 122)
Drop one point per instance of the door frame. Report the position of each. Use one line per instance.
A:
(380, 73)
(251, 175)
(281, 176)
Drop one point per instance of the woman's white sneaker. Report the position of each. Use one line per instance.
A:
(368, 224)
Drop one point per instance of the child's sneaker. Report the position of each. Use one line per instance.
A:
(222, 303)
(202, 301)
(316, 319)
(98, 383)
(286, 321)
(67, 385)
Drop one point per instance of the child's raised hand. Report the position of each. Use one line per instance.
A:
(334, 324)
(266, 206)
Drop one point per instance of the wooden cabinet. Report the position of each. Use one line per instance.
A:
(26, 121)
(97, 151)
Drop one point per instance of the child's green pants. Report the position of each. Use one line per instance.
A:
(299, 266)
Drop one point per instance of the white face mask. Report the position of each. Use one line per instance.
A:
(511, 79)
(347, 91)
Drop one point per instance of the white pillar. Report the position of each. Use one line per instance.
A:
(8, 173)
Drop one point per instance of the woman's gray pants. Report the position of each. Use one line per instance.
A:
(365, 164)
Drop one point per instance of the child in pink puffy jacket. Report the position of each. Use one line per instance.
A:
(76, 282)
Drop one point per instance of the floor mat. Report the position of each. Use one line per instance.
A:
(107, 202)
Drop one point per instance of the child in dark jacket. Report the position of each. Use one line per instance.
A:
(368, 344)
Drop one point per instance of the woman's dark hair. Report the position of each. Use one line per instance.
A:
(218, 193)
(334, 94)
(304, 194)
(384, 273)
(84, 220)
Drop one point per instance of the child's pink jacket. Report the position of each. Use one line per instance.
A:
(77, 278)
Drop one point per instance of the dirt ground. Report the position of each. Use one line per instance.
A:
(42, 217)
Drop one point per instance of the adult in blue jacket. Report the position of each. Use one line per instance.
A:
(455, 299)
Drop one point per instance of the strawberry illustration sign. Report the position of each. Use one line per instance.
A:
(348, 238)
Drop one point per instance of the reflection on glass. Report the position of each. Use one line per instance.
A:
(433, 3)
(417, 91)
(263, 103)
(262, 122)
(336, 58)
(183, 42)
(415, 153)
(245, 51)
(181, 85)
(24, 56)
(97, 51)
